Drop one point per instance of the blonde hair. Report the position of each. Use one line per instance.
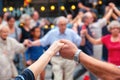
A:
(113, 24)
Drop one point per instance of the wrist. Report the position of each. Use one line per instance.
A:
(76, 55)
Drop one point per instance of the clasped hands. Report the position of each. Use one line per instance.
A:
(66, 48)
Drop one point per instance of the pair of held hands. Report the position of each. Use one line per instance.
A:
(66, 48)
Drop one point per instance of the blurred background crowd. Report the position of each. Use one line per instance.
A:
(33, 19)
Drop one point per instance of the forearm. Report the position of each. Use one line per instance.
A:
(92, 40)
(36, 43)
(40, 64)
(108, 14)
(116, 11)
(103, 70)
(82, 6)
(114, 16)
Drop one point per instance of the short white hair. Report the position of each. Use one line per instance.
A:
(113, 24)
(61, 18)
(86, 15)
(3, 26)
(24, 17)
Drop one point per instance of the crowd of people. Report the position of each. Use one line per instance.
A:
(22, 43)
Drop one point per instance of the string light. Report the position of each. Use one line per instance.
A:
(42, 8)
(62, 8)
(4, 9)
(52, 7)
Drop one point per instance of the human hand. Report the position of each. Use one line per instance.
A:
(29, 62)
(83, 32)
(68, 50)
(112, 5)
(55, 47)
(27, 43)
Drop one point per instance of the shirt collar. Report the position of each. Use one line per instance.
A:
(65, 33)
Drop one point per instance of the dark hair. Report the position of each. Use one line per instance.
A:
(32, 30)
(9, 17)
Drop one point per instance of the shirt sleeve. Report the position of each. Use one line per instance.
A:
(46, 39)
(26, 75)
(101, 22)
(76, 39)
(18, 47)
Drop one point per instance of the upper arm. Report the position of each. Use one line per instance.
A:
(46, 39)
(18, 47)
(76, 39)
(102, 22)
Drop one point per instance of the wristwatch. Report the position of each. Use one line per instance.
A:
(76, 56)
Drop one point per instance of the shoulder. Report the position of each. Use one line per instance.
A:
(70, 30)
(52, 31)
(106, 38)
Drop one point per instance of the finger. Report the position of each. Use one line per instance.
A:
(64, 41)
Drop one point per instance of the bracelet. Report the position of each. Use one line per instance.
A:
(76, 56)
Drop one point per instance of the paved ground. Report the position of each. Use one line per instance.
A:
(49, 73)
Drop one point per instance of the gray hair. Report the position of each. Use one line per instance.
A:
(24, 17)
(61, 18)
(113, 24)
(86, 15)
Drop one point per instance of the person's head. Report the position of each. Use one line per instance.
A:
(35, 15)
(61, 23)
(25, 19)
(4, 31)
(11, 21)
(114, 28)
(87, 18)
(35, 32)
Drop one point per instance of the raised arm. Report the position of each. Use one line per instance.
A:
(103, 70)
(116, 10)
(38, 66)
(92, 40)
(80, 5)
(108, 15)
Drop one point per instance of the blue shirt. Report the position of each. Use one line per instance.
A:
(55, 34)
(34, 52)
